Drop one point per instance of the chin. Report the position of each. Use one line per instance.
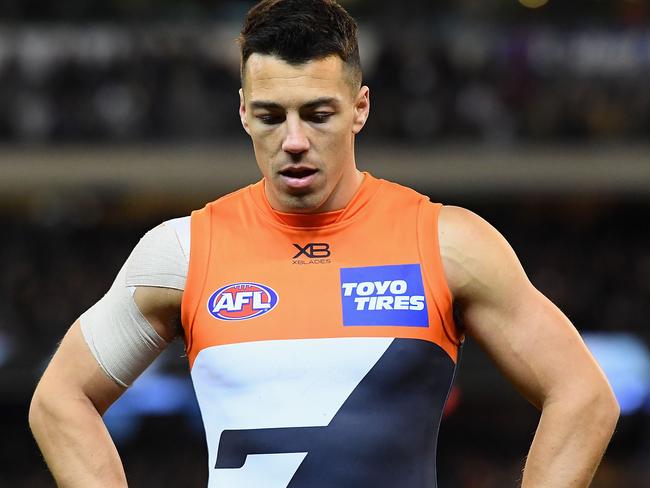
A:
(308, 202)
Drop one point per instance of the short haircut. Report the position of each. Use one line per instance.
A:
(298, 31)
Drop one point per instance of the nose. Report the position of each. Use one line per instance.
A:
(295, 140)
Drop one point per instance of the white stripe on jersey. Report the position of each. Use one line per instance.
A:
(276, 384)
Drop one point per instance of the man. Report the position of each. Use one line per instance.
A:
(316, 305)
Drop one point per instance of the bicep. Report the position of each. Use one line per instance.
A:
(73, 372)
(121, 335)
(529, 339)
(140, 314)
(533, 343)
(127, 329)
(117, 338)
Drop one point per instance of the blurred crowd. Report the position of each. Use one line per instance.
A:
(52, 271)
(449, 79)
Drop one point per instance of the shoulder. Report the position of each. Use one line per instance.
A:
(181, 229)
(393, 197)
(476, 257)
(399, 190)
(171, 236)
(233, 199)
(457, 225)
(156, 273)
(161, 257)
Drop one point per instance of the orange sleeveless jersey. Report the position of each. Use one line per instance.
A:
(322, 346)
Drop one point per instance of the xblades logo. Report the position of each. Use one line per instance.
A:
(315, 252)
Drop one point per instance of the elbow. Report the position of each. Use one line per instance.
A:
(606, 402)
(45, 409)
(590, 404)
(611, 410)
(39, 409)
(600, 405)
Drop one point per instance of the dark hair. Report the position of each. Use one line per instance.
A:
(298, 31)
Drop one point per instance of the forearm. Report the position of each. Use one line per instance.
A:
(75, 442)
(569, 443)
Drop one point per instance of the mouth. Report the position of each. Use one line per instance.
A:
(298, 176)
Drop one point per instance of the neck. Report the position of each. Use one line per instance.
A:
(343, 192)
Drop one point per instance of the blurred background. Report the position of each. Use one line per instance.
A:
(117, 115)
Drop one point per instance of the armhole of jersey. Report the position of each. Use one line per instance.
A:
(434, 271)
(200, 245)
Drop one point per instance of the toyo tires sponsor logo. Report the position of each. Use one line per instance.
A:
(383, 295)
(241, 301)
(390, 295)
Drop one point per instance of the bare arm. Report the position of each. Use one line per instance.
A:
(536, 348)
(65, 413)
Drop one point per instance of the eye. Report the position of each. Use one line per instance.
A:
(270, 119)
(320, 117)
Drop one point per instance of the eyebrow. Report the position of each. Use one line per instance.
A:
(267, 105)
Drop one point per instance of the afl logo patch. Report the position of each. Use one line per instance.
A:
(241, 301)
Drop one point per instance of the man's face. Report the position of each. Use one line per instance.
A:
(302, 120)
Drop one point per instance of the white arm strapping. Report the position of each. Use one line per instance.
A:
(120, 338)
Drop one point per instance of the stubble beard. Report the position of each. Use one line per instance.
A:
(307, 202)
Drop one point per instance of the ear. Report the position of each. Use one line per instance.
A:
(361, 109)
(242, 111)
